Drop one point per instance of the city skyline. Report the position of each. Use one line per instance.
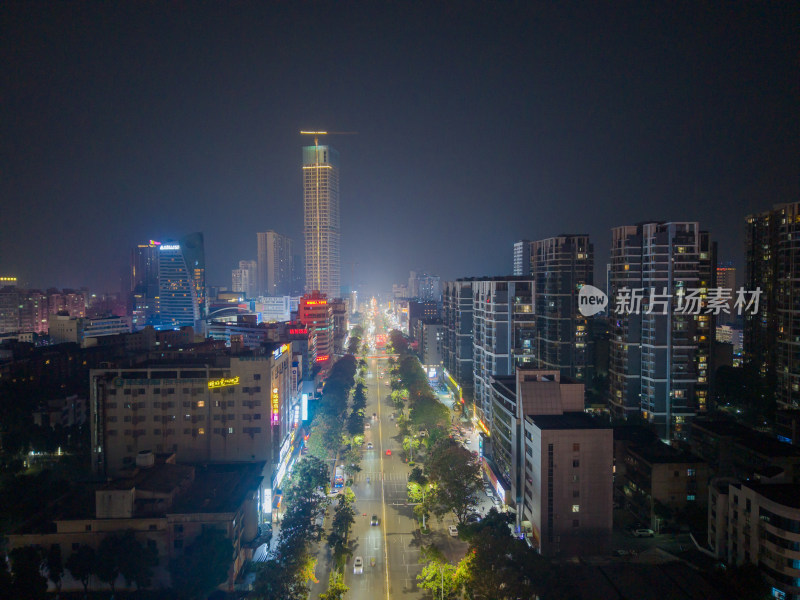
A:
(650, 114)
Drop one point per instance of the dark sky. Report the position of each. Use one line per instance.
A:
(478, 124)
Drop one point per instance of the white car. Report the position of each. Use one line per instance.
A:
(369, 445)
(358, 566)
(467, 441)
(453, 530)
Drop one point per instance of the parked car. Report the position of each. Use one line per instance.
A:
(473, 518)
(366, 426)
(453, 530)
(369, 446)
(643, 532)
(374, 415)
(358, 565)
(374, 520)
(388, 453)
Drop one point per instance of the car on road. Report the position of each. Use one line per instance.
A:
(473, 518)
(366, 426)
(391, 416)
(374, 415)
(374, 520)
(388, 453)
(358, 566)
(369, 446)
(467, 441)
(489, 493)
(643, 532)
(453, 530)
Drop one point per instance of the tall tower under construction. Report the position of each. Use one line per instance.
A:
(321, 219)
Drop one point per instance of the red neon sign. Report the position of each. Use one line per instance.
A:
(322, 358)
(298, 332)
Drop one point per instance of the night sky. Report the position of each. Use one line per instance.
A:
(478, 124)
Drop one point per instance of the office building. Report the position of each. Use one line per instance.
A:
(457, 313)
(339, 311)
(275, 264)
(772, 255)
(522, 258)
(560, 267)
(321, 219)
(9, 309)
(316, 315)
(659, 354)
(503, 333)
(207, 408)
(144, 267)
(758, 524)
(182, 282)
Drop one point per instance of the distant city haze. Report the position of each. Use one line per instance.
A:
(478, 125)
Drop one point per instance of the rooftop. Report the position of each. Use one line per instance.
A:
(660, 453)
(787, 494)
(568, 420)
(162, 478)
(219, 488)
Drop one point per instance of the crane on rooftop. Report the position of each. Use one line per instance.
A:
(316, 134)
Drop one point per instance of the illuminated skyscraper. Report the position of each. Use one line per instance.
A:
(182, 282)
(321, 219)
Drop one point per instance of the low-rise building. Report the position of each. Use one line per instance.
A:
(660, 482)
(166, 505)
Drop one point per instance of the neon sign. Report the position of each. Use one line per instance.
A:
(224, 382)
(322, 358)
(298, 332)
(170, 247)
(276, 354)
(315, 302)
(275, 406)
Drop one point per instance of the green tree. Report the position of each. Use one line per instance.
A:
(55, 567)
(456, 473)
(136, 561)
(336, 587)
(498, 565)
(81, 565)
(203, 566)
(277, 580)
(438, 576)
(27, 580)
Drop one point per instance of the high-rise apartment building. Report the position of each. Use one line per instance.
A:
(726, 279)
(243, 279)
(182, 282)
(321, 219)
(33, 315)
(560, 267)
(9, 309)
(522, 257)
(457, 309)
(503, 333)
(773, 265)
(424, 286)
(659, 354)
(275, 264)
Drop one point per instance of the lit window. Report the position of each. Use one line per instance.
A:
(576, 508)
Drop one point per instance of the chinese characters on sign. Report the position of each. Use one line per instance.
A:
(275, 406)
(689, 301)
(218, 383)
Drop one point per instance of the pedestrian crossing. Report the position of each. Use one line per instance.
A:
(378, 476)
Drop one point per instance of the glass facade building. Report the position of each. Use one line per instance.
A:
(182, 282)
(321, 219)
